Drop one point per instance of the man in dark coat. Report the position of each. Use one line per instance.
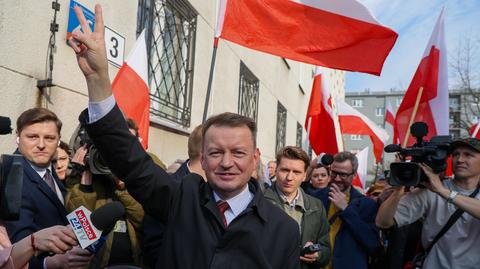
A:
(307, 211)
(38, 135)
(353, 233)
(225, 223)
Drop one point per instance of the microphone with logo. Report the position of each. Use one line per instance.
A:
(92, 229)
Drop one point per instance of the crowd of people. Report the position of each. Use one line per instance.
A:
(220, 208)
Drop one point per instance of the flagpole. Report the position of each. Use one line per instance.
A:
(309, 125)
(412, 118)
(210, 79)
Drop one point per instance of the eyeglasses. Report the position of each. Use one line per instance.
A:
(334, 174)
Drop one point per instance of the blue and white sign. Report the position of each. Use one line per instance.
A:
(73, 22)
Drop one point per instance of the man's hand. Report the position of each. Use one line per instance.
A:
(338, 198)
(309, 258)
(91, 54)
(79, 156)
(57, 239)
(75, 258)
(434, 182)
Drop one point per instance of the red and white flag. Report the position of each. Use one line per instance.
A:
(474, 131)
(130, 88)
(336, 34)
(361, 179)
(432, 77)
(389, 115)
(320, 120)
(354, 122)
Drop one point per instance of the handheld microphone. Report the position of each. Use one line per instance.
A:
(91, 229)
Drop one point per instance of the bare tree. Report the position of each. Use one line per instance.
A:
(464, 69)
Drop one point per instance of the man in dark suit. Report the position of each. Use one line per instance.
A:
(38, 135)
(353, 233)
(222, 223)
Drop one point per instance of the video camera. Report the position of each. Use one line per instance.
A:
(11, 179)
(433, 153)
(93, 160)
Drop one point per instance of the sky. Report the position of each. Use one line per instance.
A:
(414, 20)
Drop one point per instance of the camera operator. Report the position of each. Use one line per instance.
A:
(95, 190)
(458, 247)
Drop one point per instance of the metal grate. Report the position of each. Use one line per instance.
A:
(281, 127)
(170, 30)
(299, 134)
(248, 93)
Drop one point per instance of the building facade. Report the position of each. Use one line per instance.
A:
(38, 69)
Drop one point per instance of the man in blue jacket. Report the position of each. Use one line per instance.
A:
(353, 234)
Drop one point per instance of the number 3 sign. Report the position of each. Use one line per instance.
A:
(115, 44)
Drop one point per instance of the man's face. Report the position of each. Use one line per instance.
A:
(229, 159)
(290, 174)
(61, 163)
(466, 163)
(272, 166)
(38, 143)
(341, 174)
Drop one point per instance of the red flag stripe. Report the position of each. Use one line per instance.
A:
(307, 33)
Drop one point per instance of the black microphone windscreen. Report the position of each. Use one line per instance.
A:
(104, 218)
(393, 148)
(5, 125)
(326, 159)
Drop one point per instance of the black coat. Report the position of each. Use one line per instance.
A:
(40, 208)
(260, 237)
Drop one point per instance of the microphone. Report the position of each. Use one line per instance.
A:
(5, 123)
(91, 229)
(392, 148)
(325, 159)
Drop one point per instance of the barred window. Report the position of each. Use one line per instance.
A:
(281, 127)
(248, 93)
(299, 134)
(170, 32)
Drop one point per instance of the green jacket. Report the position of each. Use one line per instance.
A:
(314, 228)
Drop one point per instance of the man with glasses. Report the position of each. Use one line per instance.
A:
(353, 234)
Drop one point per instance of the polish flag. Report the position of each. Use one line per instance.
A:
(336, 34)
(429, 87)
(130, 88)
(354, 122)
(474, 131)
(319, 121)
(361, 179)
(389, 115)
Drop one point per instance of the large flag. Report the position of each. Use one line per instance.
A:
(130, 88)
(361, 179)
(354, 122)
(389, 115)
(428, 88)
(336, 34)
(319, 121)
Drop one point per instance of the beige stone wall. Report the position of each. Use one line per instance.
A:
(24, 28)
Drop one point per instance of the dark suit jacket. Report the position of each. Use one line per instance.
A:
(262, 236)
(358, 235)
(40, 208)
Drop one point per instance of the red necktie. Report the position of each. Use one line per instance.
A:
(223, 206)
(49, 180)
